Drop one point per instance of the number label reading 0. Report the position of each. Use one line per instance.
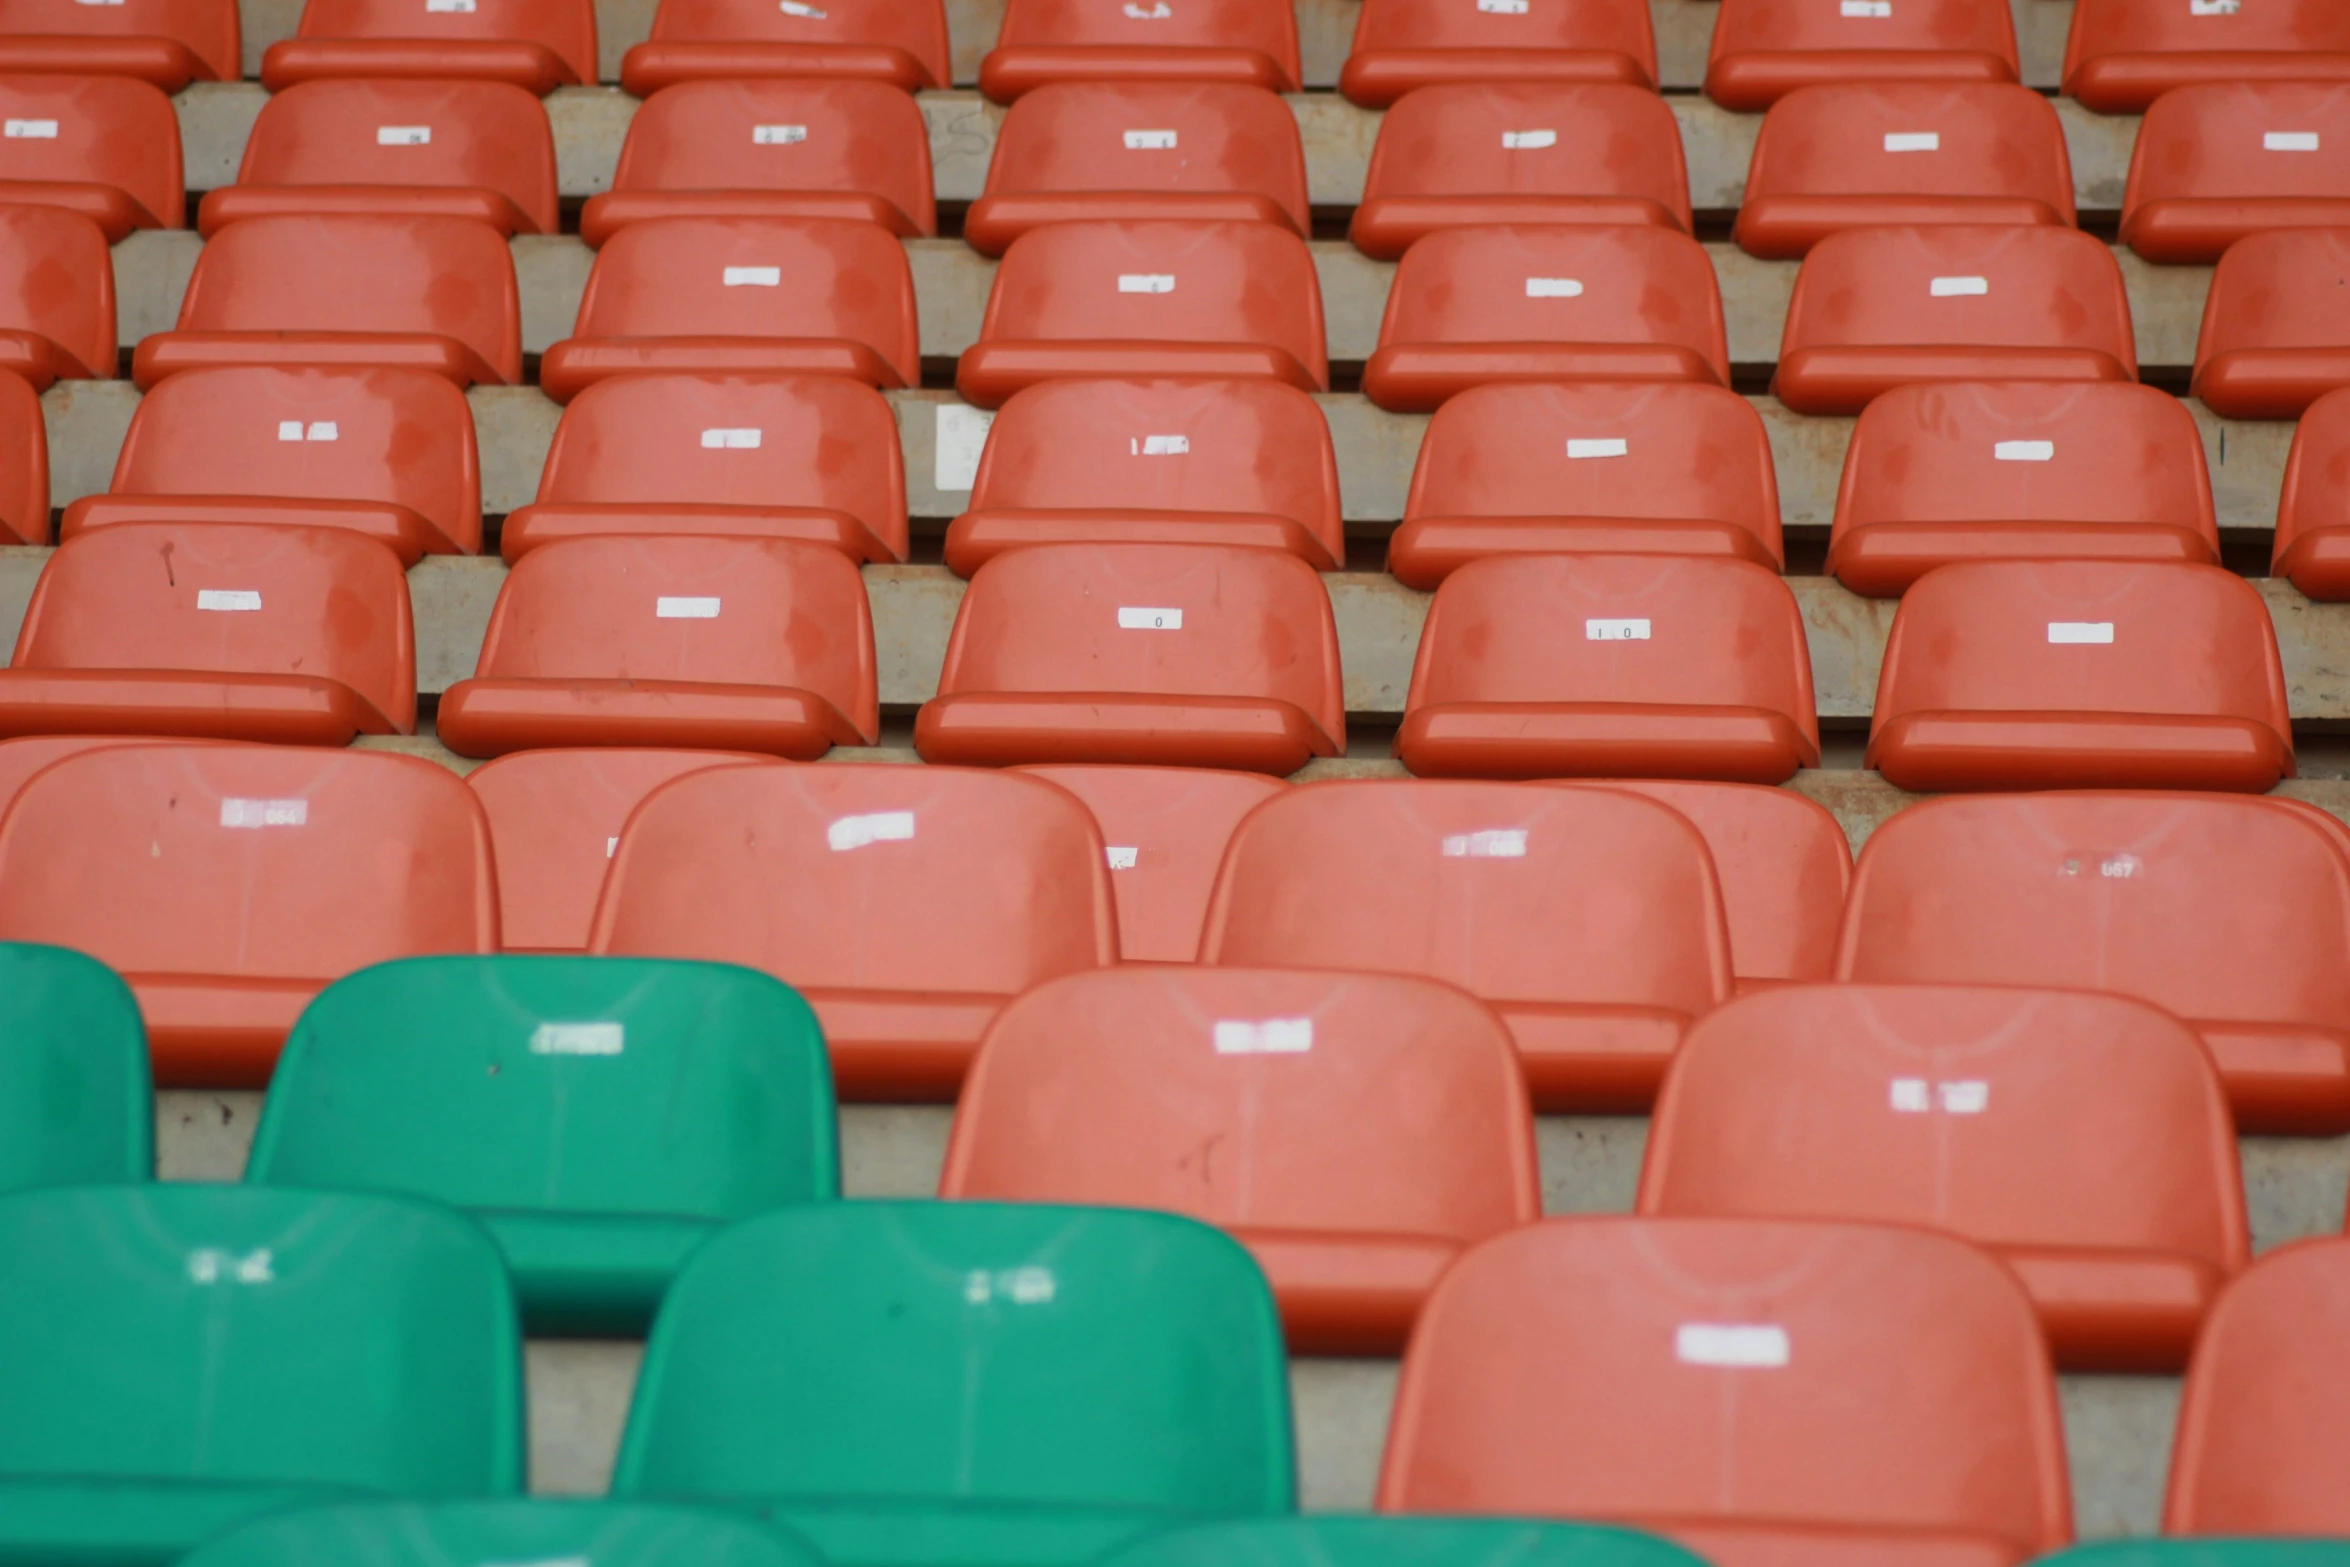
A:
(1136, 619)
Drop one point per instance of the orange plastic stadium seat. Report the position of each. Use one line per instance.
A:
(1676, 468)
(1873, 154)
(770, 149)
(755, 645)
(24, 463)
(1765, 1392)
(2219, 160)
(1250, 43)
(2276, 327)
(555, 819)
(536, 45)
(479, 150)
(2083, 1138)
(2313, 515)
(1400, 45)
(21, 758)
(1206, 300)
(2123, 54)
(1163, 462)
(107, 147)
(900, 42)
(743, 296)
(1611, 666)
(1198, 655)
(235, 631)
(1590, 919)
(907, 904)
(169, 43)
(2040, 674)
(1164, 830)
(2228, 911)
(1194, 150)
(1765, 49)
(2019, 470)
(228, 884)
(814, 458)
(348, 291)
(1481, 153)
(1353, 1191)
(1561, 303)
(56, 296)
(1879, 308)
(385, 453)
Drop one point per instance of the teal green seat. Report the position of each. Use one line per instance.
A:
(76, 1106)
(179, 1358)
(504, 1534)
(2198, 1552)
(602, 1117)
(918, 1384)
(1400, 1542)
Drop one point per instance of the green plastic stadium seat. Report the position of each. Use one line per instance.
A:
(182, 1358)
(1393, 1542)
(916, 1384)
(601, 1117)
(2203, 1553)
(75, 1103)
(505, 1534)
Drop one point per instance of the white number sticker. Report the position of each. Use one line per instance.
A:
(1273, 1036)
(1615, 631)
(1597, 446)
(754, 277)
(778, 135)
(1158, 446)
(1529, 141)
(1913, 141)
(1149, 141)
(1150, 619)
(1958, 287)
(2099, 632)
(1553, 288)
(730, 440)
(1740, 1345)
(264, 813)
(855, 832)
(1121, 857)
(2023, 451)
(32, 130)
(1146, 283)
(2290, 141)
(1491, 843)
(229, 601)
(403, 135)
(667, 608)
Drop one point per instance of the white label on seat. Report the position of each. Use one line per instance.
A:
(32, 130)
(1954, 287)
(1529, 141)
(730, 440)
(213, 1265)
(1491, 843)
(1273, 1036)
(323, 430)
(611, 846)
(1150, 13)
(1615, 631)
(754, 277)
(778, 135)
(403, 135)
(796, 8)
(2024, 451)
(1121, 857)
(2211, 7)
(1029, 1286)
(264, 813)
(1150, 619)
(229, 600)
(854, 832)
(461, 7)
(578, 1039)
(98, 2)
(1742, 1345)
(2274, 141)
(1597, 446)
(1553, 288)
(1913, 141)
(1502, 7)
(1146, 282)
(1159, 446)
(667, 608)
(1877, 8)
(1916, 1096)
(289, 429)
(1149, 141)
(962, 436)
(2080, 631)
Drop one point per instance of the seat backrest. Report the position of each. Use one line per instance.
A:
(229, 598)
(1728, 1372)
(208, 29)
(1264, 26)
(864, 876)
(1393, 1542)
(487, 134)
(1531, 139)
(919, 27)
(1514, 892)
(247, 861)
(2281, 288)
(1912, 26)
(567, 27)
(57, 280)
(101, 130)
(24, 464)
(2110, 27)
(2317, 472)
(75, 1100)
(782, 135)
(454, 1534)
(1152, 136)
(183, 1335)
(2233, 141)
(1913, 139)
(1579, 26)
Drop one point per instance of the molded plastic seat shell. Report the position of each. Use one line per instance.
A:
(1186, 654)
(2216, 161)
(1206, 300)
(1480, 153)
(735, 296)
(1872, 154)
(168, 43)
(1874, 309)
(232, 631)
(1401, 45)
(2016, 470)
(1399, 1542)
(812, 458)
(744, 644)
(56, 296)
(1141, 149)
(69, 1019)
(2313, 521)
(536, 45)
(1590, 919)
(2228, 912)
(907, 904)
(2122, 55)
(2276, 325)
(1158, 462)
(1248, 43)
(2197, 1553)
(1761, 1391)
(348, 291)
(1765, 49)
(2082, 675)
(2085, 1139)
(765, 149)
(107, 147)
(902, 43)
(387, 454)
(228, 884)
(437, 1534)
(1675, 468)
(1514, 303)
(24, 463)
(1369, 1128)
(1611, 666)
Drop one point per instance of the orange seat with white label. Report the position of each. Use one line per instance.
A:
(2276, 324)
(2219, 160)
(2228, 911)
(56, 296)
(1674, 468)
(168, 43)
(2313, 514)
(1470, 306)
(902, 43)
(385, 453)
(745, 644)
(1402, 45)
(24, 463)
(537, 45)
(2122, 55)
(1590, 919)
(1764, 49)
(1249, 43)
(813, 458)
(107, 147)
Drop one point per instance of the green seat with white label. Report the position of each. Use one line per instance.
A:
(76, 1104)
(602, 1117)
(540, 1532)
